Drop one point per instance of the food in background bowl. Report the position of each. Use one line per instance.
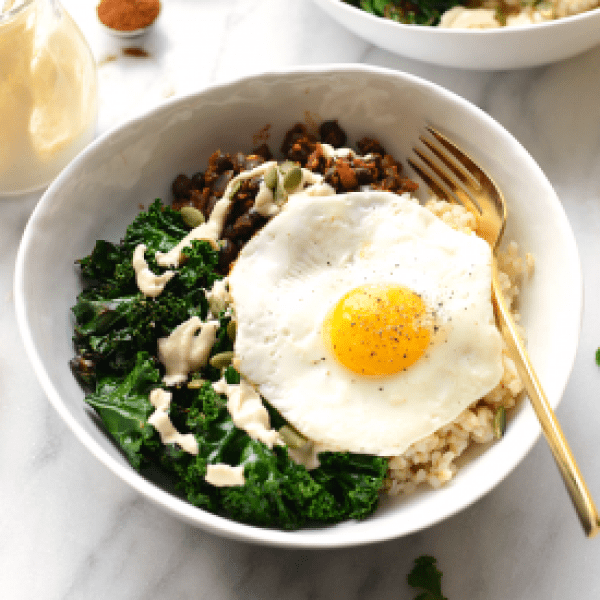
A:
(294, 338)
(482, 14)
(465, 47)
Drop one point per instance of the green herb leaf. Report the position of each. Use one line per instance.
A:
(426, 577)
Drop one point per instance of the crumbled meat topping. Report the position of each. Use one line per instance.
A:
(371, 168)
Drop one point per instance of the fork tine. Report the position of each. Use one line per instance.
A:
(457, 169)
(473, 169)
(432, 183)
(488, 195)
(458, 193)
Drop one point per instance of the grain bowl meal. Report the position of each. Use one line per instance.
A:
(479, 14)
(290, 339)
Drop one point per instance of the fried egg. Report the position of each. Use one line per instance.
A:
(365, 320)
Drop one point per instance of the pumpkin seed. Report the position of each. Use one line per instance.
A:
(292, 179)
(234, 189)
(291, 437)
(195, 384)
(191, 216)
(231, 330)
(286, 165)
(279, 196)
(221, 360)
(271, 177)
(499, 422)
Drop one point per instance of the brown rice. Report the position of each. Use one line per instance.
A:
(432, 460)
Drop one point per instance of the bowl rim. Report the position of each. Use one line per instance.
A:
(441, 31)
(304, 538)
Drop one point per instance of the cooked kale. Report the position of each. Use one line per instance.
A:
(413, 12)
(114, 320)
(116, 333)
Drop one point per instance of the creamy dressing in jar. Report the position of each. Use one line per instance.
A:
(48, 93)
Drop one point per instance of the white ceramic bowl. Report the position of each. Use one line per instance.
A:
(98, 194)
(502, 48)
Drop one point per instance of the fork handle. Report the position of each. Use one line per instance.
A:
(574, 482)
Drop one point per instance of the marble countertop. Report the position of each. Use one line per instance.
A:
(70, 529)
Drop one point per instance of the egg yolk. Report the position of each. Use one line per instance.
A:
(378, 330)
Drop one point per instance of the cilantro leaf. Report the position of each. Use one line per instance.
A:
(598, 357)
(425, 576)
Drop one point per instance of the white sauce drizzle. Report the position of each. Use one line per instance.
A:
(314, 184)
(159, 419)
(264, 203)
(218, 297)
(248, 412)
(311, 184)
(306, 455)
(460, 17)
(148, 283)
(184, 351)
(211, 230)
(331, 152)
(223, 475)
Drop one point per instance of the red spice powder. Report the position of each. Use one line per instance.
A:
(128, 15)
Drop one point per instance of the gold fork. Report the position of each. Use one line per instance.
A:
(463, 181)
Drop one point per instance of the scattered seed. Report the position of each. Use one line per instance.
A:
(280, 196)
(499, 422)
(191, 216)
(271, 177)
(292, 438)
(231, 330)
(286, 165)
(292, 179)
(195, 384)
(235, 188)
(221, 360)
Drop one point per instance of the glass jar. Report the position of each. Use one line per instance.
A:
(48, 93)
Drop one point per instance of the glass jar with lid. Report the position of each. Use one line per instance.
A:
(48, 93)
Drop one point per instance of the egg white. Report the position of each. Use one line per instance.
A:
(288, 277)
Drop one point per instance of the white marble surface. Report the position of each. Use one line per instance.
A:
(71, 530)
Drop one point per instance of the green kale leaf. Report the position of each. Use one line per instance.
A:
(116, 332)
(113, 319)
(277, 491)
(124, 407)
(412, 12)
